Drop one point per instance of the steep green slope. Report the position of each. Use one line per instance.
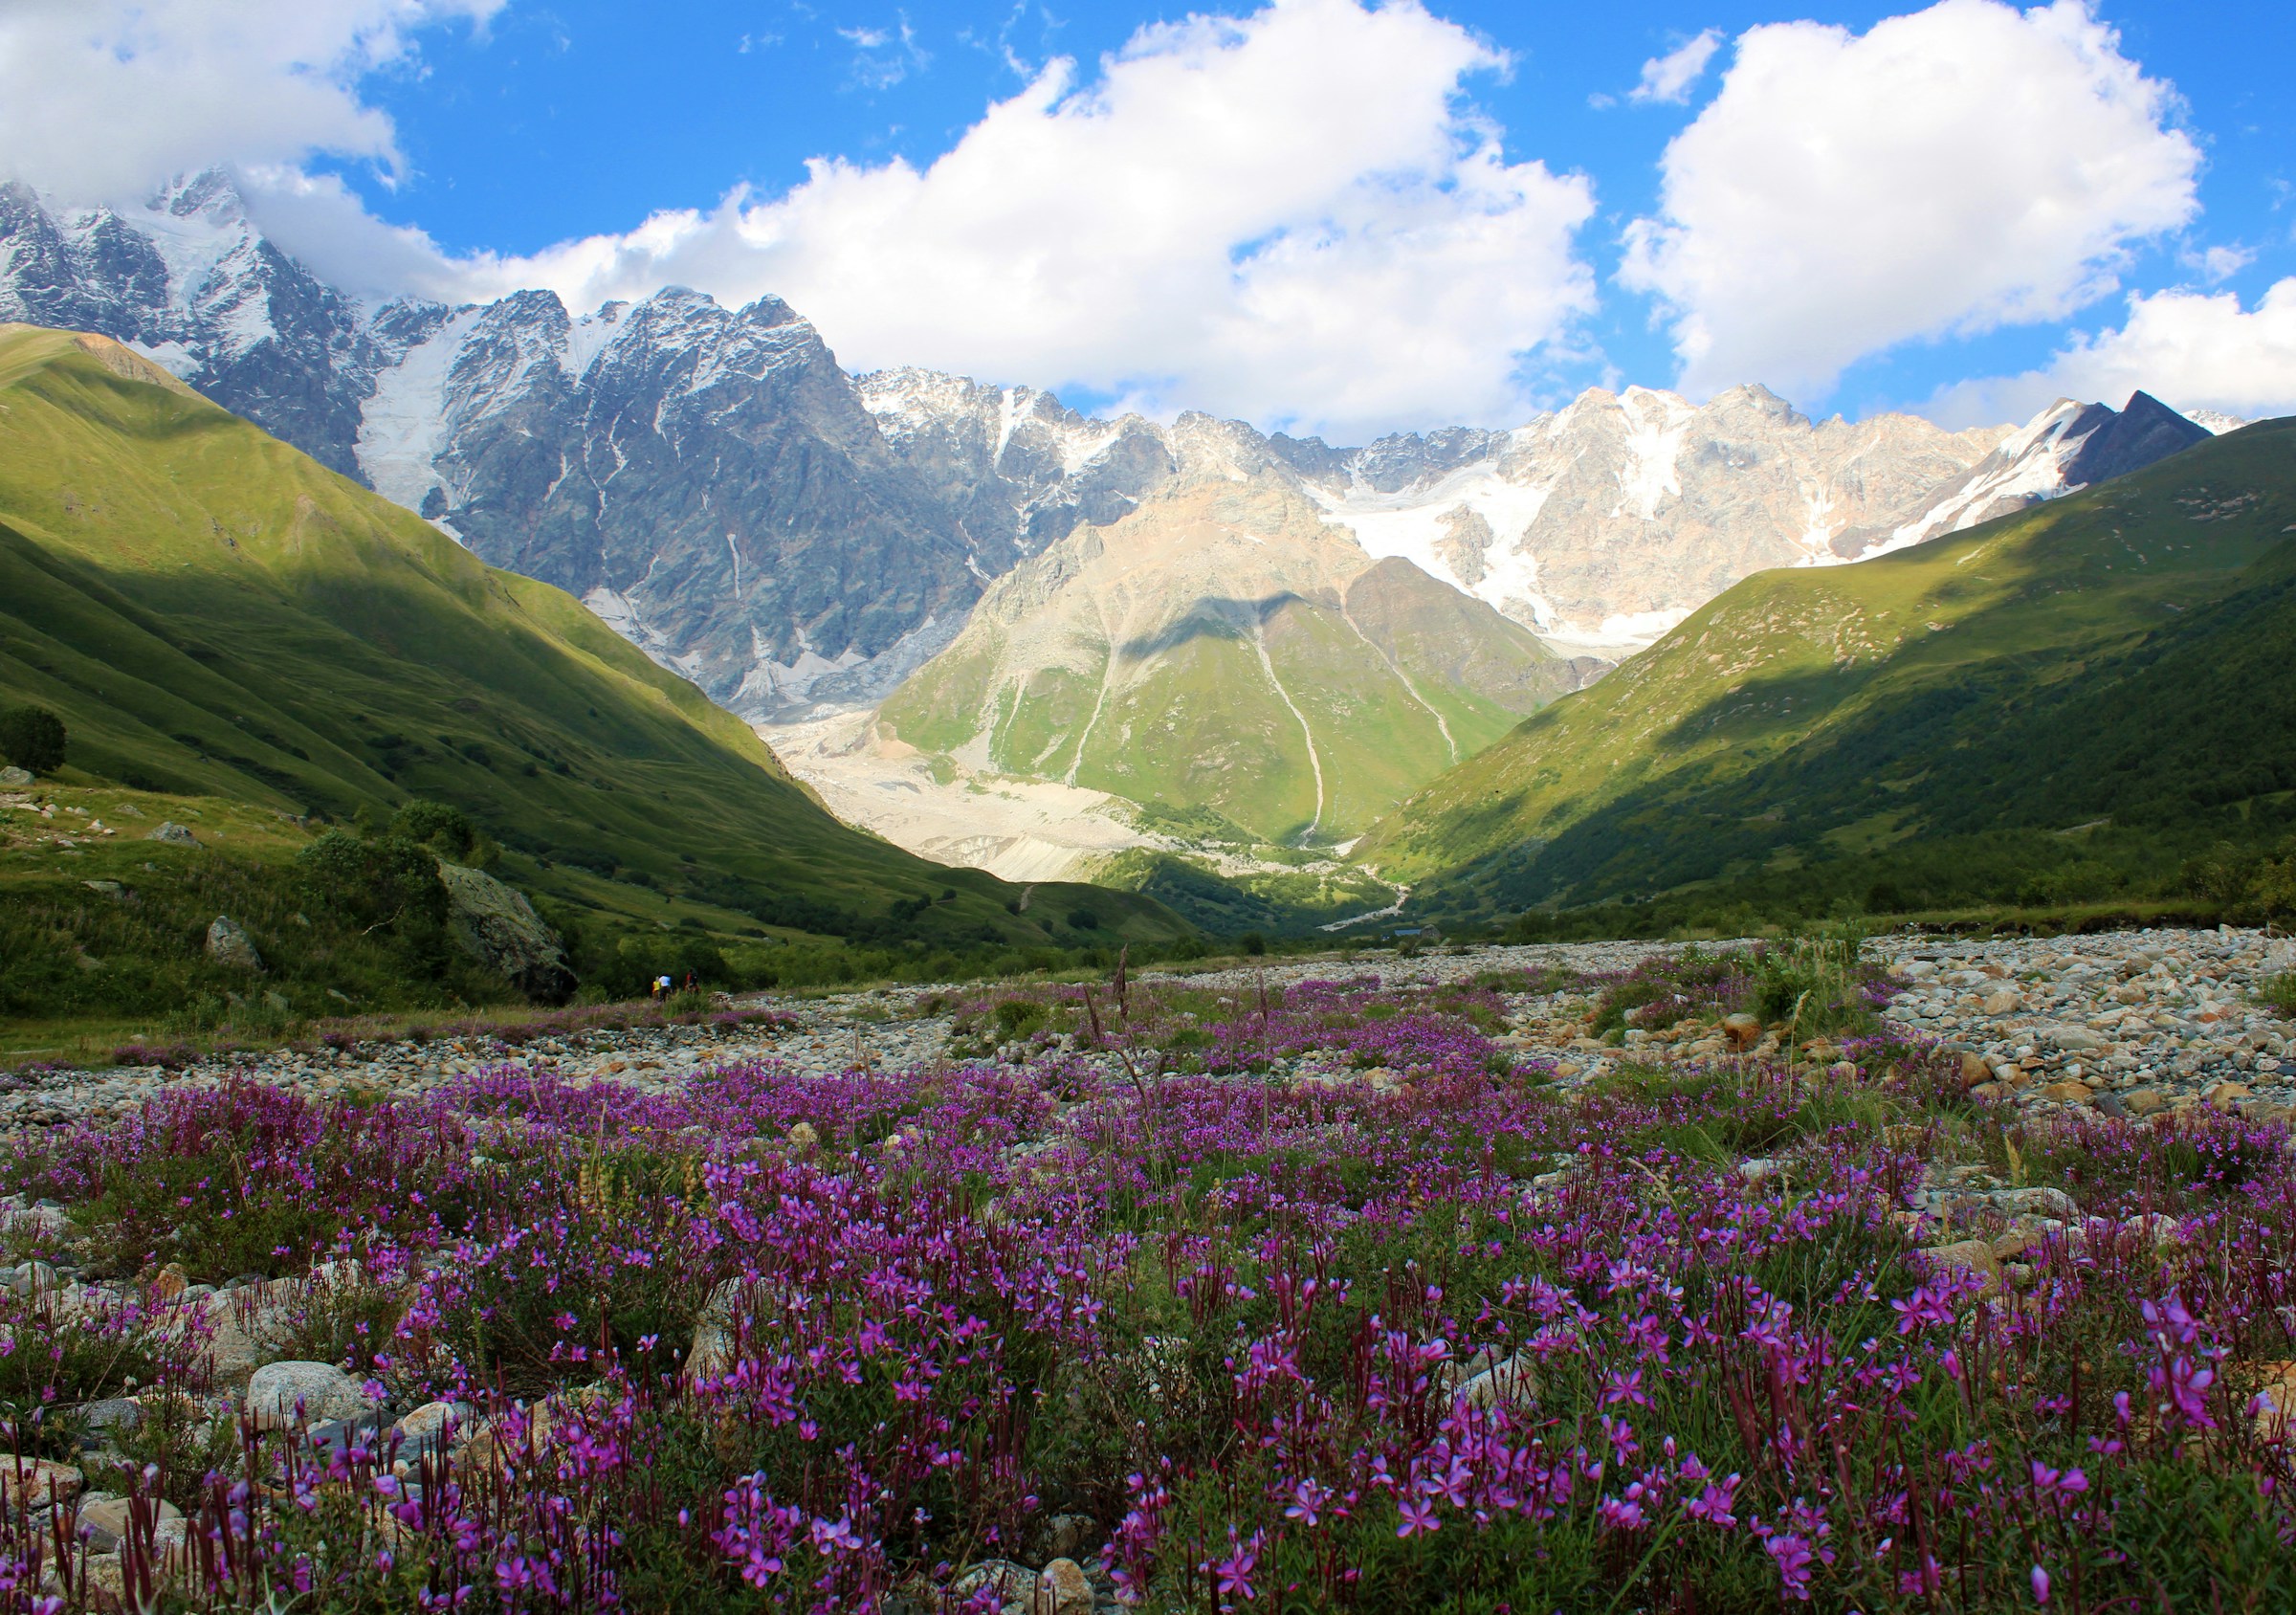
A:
(2121, 655)
(1222, 646)
(212, 612)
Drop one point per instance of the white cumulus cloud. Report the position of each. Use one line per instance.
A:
(104, 98)
(1290, 216)
(2194, 350)
(1296, 216)
(1670, 77)
(1947, 172)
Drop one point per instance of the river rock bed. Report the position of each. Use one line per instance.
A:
(2132, 1022)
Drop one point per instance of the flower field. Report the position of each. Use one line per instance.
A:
(1277, 1298)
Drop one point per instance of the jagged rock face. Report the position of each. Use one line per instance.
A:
(1606, 524)
(1015, 464)
(713, 484)
(705, 478)
(2066, 447)
(191, 283)
(1223, 646)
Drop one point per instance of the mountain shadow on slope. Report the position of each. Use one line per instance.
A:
(213, 613)
(2124, 657)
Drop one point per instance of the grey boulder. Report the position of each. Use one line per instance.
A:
(497, 926)
(228, 944)
(322, 1393)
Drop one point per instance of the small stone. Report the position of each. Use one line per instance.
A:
(106, 1516)
(432, 1418)
(1973, 1069)
(12, 775)
(1068, 1535)
(173, 834)
(2275, 1416)
(1014, 1584)
(228, 944)
(2075, 1039)
(2001, 1001)
(1966, 1256)
(2015, 1243)
(1061, 1589)
(117, 1412)
(39, 1482)
(2067, 1092)
(1511, 1383)
(2043, 1201)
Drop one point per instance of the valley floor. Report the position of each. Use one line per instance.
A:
(1017, 830)
(2121, 1022)
(1578, 1277)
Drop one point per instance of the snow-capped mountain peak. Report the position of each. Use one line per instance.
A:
(2069, 446)
(725, 495)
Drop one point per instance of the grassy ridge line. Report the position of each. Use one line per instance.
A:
(212, 612)
(1803, 715)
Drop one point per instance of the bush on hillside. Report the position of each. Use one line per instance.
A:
(387, 884)
(32, 738)
(445, 831)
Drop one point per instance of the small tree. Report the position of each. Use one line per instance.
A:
(32, 738)
(445, 830)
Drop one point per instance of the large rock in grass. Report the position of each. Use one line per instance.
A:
(227, 944)
(497, 926)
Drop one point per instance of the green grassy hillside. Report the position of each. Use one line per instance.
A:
(216, 616)
(2087, 684)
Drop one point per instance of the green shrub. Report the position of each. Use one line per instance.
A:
(1018, 1017)
(2278, 993)
(389, 883)
(1816, 981)
(32, 738)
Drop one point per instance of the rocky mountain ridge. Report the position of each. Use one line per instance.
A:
(1222, 646)
(796, 540)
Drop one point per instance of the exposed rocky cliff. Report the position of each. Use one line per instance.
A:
(712, 483)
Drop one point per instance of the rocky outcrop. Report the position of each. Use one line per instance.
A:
(497, 926)
(229, 945)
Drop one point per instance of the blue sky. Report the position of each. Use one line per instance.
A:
(509, 140)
